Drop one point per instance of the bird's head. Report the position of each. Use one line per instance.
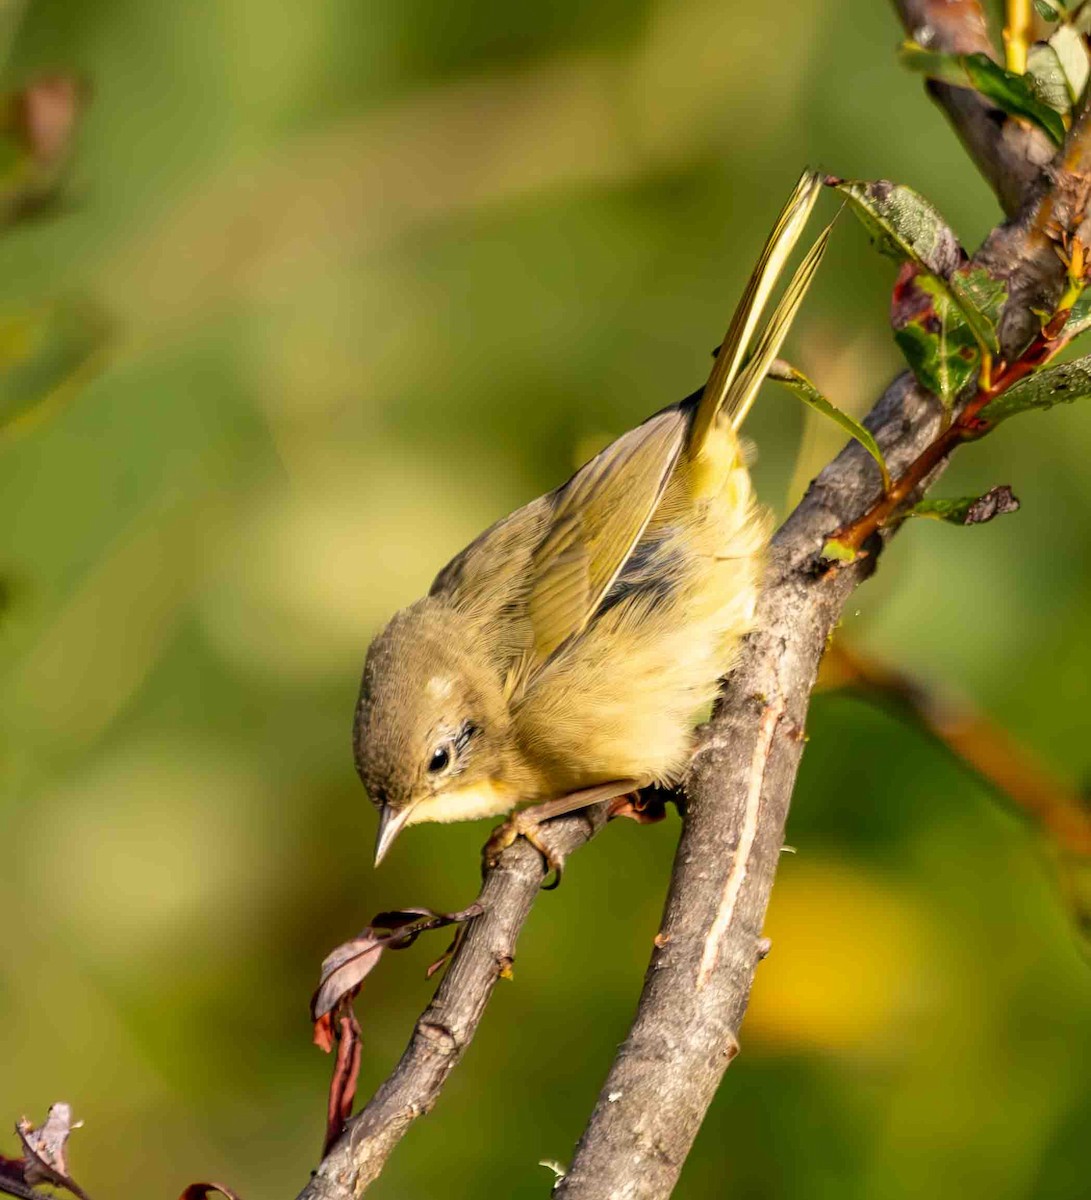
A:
(432, 728)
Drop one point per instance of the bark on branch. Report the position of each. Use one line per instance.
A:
(1011, 154)
(740, 783)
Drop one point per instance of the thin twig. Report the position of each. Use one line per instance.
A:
(1018, 34)
(1010, 770)
(484, 955)
(13, 1187)
(966, 427)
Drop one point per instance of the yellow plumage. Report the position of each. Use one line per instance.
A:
(644, 668)
(564, 654)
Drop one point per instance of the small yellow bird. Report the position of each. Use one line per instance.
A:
(563, 656)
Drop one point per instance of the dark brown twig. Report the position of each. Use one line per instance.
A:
(10, 1186)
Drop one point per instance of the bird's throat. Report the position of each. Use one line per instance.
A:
(488, 798)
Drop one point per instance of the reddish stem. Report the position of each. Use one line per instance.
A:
(966, 427)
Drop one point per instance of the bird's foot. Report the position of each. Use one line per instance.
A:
(526, 824)
(645, 807)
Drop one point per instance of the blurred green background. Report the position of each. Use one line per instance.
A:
(376, 272)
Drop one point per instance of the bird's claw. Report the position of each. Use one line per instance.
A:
(646, 808)
(520, 825)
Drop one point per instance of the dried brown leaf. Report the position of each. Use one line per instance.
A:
(46, 1149)
(995, 503)
(323, 1033)
(344, 969)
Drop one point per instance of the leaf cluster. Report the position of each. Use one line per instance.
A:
(946, 312)
(1047, 93)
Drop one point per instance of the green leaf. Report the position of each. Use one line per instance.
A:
(981, 297)
(903, 225)
(837, 551)
(969, 510)
(1010, 92)
(1013, 94)
(1046, 11)
(1055, 385)
(1047, 76)
(907, 227)
(797, 382)
(1079, 318)
(46, 354)
(932, 332)
(1071, 52)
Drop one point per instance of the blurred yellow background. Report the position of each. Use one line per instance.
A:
(373, 273)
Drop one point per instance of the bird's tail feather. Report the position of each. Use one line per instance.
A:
(733, 384)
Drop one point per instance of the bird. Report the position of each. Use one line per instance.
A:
(565, 655)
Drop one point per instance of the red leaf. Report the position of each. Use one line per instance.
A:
(908, 302)
(645, 808)
(343, 971)
(323, 1033)
(346, 1072)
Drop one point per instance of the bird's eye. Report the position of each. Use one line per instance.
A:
(440, 760)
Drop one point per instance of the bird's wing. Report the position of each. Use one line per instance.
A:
(489, 579)
(597, 519)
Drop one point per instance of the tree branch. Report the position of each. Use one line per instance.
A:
(1011, 154)
(740, 783)
(447, 1026)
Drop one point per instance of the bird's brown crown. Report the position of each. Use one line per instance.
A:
(431, 709)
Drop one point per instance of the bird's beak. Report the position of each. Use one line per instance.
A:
(391, 822)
